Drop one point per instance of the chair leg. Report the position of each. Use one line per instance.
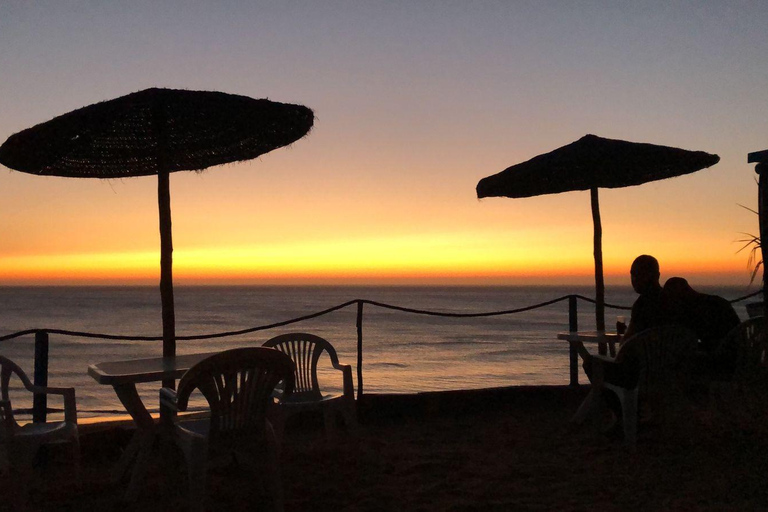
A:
(629, 415)
(276, 419)
(329, 420)
(138, 472)
(591, 401)
(196, 456)
(76, 462)
(22, 473)
(349, 411)
(20, 495)
(272, 479)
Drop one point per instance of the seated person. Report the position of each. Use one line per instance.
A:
(648, 310)
(711, 317)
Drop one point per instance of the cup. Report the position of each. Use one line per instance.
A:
(621, 326)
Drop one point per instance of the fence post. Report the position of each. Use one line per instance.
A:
(40, 378)
(573, 326)
(359, 349)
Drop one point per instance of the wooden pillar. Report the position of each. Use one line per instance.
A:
(159, 122)
(40, 377)
(599, 283)
(359, 349)
(761, 159)
(166, 267)
(573, 326)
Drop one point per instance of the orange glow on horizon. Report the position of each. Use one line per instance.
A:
(446, 259)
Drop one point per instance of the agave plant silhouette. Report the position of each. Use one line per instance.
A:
(754, 244)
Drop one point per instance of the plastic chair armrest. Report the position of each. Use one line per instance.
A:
(168, 400)
(7, 415)
(45, 390)
(349, 386)
(278, 394)
(70, 404)
(581, 349)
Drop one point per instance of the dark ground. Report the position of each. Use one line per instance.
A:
(498, 450)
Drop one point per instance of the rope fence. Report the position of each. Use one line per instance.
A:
(40, 409)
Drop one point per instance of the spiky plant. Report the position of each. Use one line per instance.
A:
(754, 245)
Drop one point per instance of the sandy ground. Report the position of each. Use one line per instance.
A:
(506, 450)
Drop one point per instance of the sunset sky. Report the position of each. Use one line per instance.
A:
(415, 102)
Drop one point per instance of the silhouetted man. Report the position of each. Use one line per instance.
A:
(711, 317)
(648, 310)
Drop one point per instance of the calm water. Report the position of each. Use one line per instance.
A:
(402, 352)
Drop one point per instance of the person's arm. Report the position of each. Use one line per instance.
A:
(632, 327)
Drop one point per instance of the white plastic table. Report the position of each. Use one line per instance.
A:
(609, 338)
(123, 377)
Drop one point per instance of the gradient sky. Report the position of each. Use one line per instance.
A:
(415, 102)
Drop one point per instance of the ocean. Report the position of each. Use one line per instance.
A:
(402, 352)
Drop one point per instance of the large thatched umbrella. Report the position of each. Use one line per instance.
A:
(588, 164)
(156, 131)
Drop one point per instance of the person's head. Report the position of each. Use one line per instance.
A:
(645, 274)
(678, 287)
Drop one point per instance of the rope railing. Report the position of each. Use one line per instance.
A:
(42, 334)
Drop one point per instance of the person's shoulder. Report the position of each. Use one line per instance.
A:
(649, 298)
(723, 308)
(718, 301)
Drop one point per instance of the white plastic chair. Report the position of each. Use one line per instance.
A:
(305, 351)
(22, 442)
(238, 385)
(659, 356)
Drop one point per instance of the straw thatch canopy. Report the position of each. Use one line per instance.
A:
(591, 162)
(156, 131)
(136, 134)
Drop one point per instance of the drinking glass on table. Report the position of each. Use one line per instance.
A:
(621, 326)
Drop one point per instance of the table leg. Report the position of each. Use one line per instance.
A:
(140, 446)
(586, 407)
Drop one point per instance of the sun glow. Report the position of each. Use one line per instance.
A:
(448, 258)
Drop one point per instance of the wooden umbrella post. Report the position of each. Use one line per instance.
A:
(761, 158)
(166, 238)
(599, 283)
(166, 267)
(762, 171)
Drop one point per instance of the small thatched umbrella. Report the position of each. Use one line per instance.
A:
(588, 164)
(156, 131)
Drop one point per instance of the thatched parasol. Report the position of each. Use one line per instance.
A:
(156, 131)
(588, 164)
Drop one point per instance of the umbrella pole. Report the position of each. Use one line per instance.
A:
(762, 209)
(598, 252)
(166, 268)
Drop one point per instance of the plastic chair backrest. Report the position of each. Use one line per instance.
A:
(7, 369)
(659, 353)
(238, 385)
(304, 350)
(745, 349)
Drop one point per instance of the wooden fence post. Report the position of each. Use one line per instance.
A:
(40, 378)
(359, 349)
(573, 326)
